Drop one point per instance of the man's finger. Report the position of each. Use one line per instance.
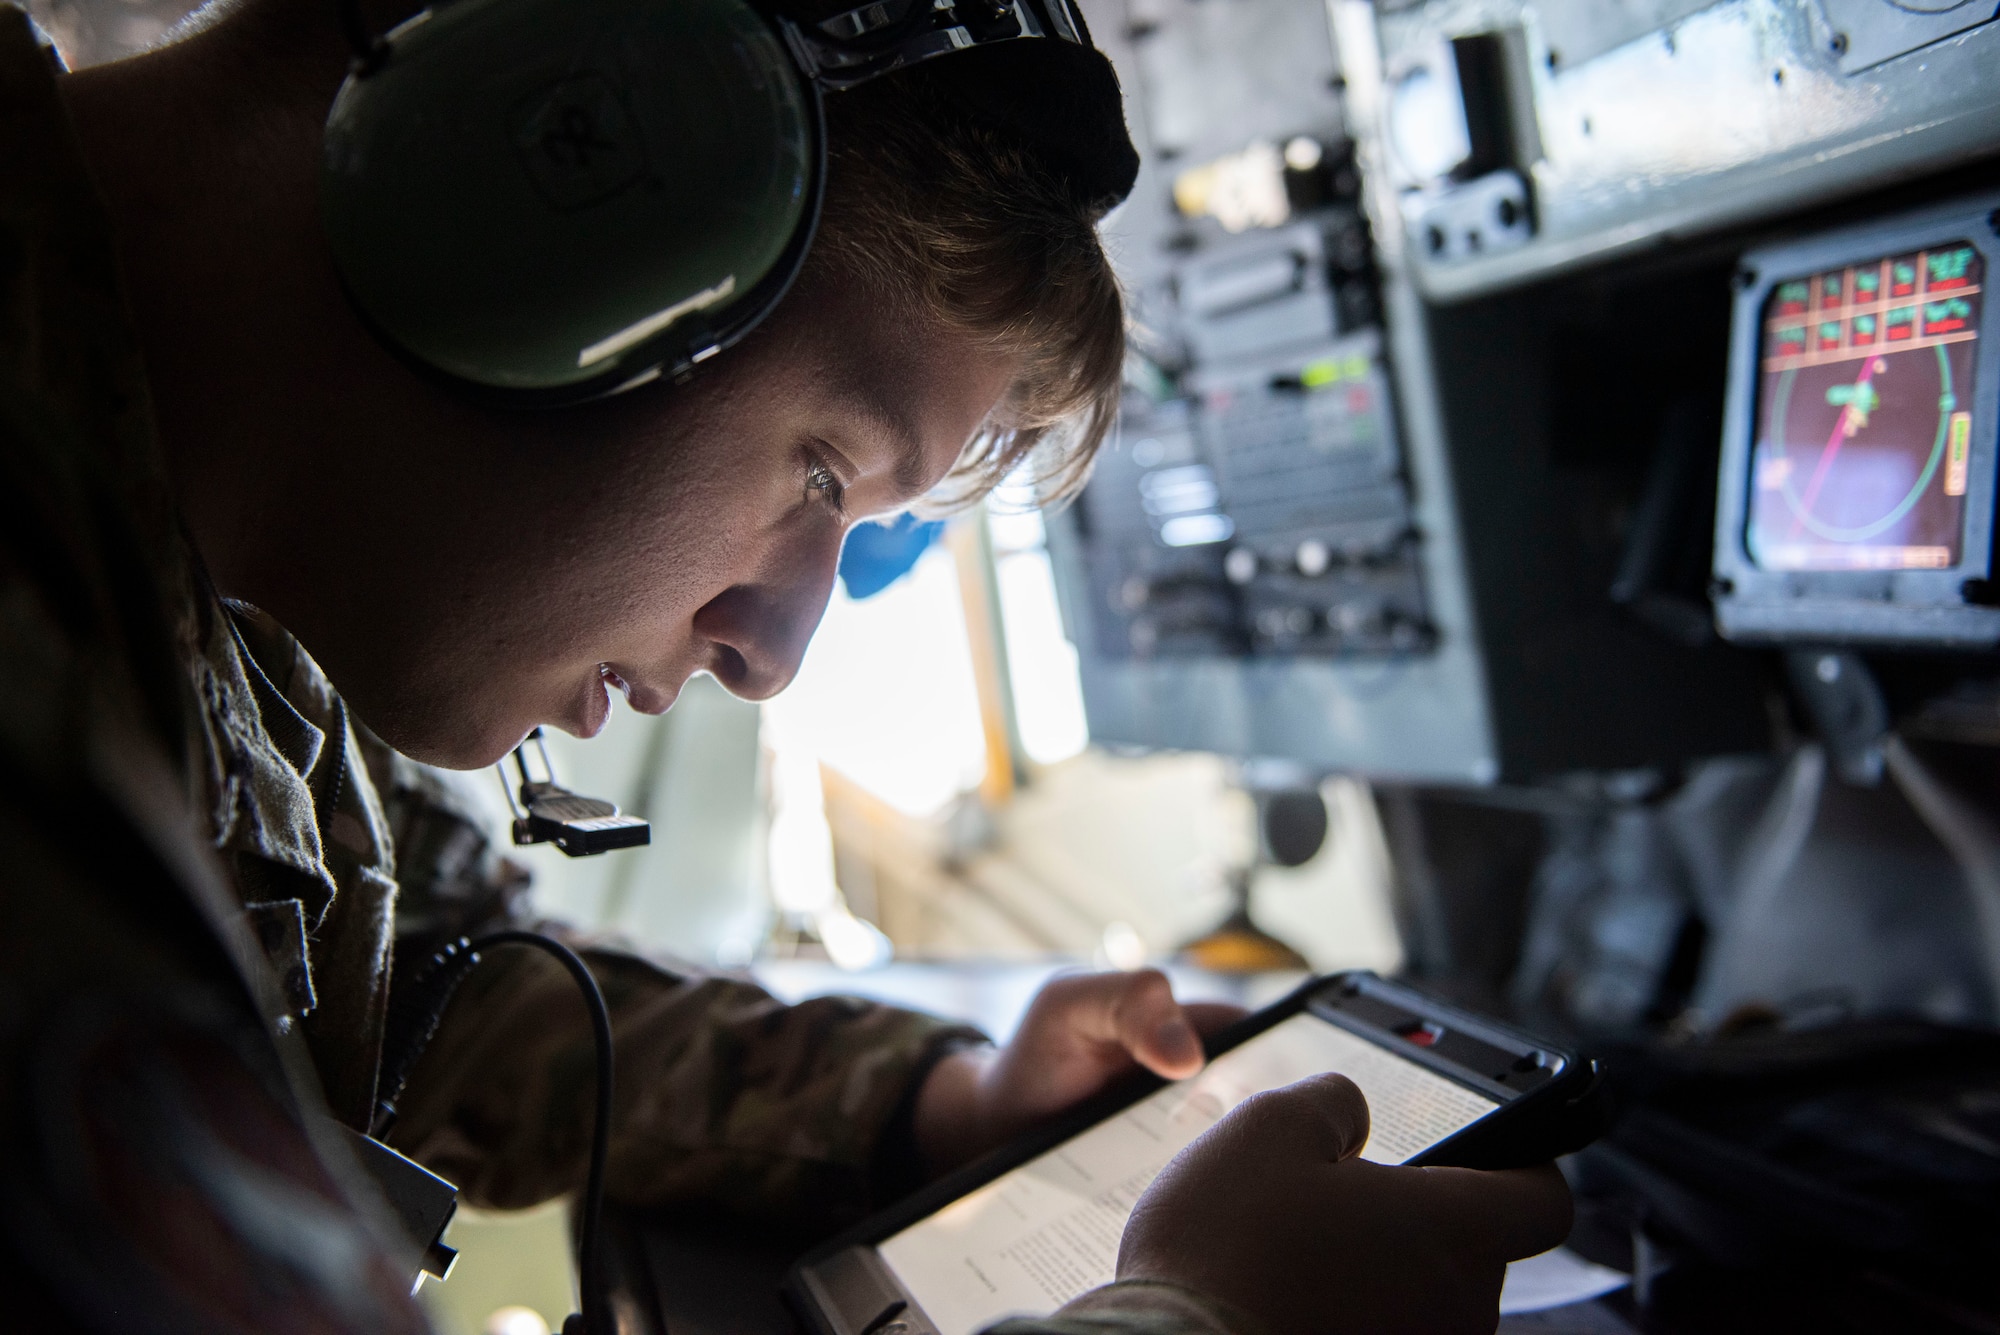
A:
(1209, 1017)
(1518, 1211)
(1135, 1012)
(1153, 1027)
(1327, 1111)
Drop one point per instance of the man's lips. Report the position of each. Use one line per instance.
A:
(596, 709)
(645, 699)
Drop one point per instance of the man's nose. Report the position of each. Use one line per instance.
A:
(758, 630)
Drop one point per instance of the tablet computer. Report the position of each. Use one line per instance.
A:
(1029, 1227)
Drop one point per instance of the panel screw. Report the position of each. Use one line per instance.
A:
(1838, 45)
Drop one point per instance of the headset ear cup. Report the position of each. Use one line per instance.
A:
(548, 200)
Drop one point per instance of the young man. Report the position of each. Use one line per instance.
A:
(238, 528)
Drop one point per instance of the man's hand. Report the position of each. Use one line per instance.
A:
(1272, 1212)
(1080, 1034)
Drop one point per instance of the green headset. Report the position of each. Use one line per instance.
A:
(547, 201)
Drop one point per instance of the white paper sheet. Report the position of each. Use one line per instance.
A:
(1556, 1279)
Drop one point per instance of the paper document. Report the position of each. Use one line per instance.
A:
(1556, 1279)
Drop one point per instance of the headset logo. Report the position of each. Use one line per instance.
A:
(577, 141)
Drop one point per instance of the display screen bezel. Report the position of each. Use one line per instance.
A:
(1928, 605)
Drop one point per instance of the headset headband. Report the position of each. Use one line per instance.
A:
(1059, 100)
(850, 48)
(546, 201)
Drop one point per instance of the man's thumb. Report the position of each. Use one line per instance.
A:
(1328, 1108)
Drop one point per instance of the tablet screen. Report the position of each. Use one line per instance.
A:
(1031, 1240)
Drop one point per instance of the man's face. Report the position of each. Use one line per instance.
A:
(464, 575)
(517, 580)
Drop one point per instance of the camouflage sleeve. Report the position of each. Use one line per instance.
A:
(1136, 1307)
(725, 1096)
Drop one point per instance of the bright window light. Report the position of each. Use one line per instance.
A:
(887, 695)
(801, 846)
(1048, 697)
(803, 886)
(1041, 662)
(1196, 530)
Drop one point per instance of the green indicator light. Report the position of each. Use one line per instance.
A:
(1323, 372)
(1946, 265)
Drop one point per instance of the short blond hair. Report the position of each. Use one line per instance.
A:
(942, 214)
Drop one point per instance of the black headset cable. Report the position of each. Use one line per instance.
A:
(415, 1017)
(371, 49)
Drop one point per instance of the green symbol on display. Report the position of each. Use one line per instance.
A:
(1859, 400)
(1946, 265)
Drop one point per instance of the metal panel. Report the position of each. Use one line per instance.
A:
(1868, 32)
(1745, 110)
(1578, 31)
(1418, 715)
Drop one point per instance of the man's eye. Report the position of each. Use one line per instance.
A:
(825, 481)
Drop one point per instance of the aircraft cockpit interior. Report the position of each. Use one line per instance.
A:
(1544, 562)
(1579, 418)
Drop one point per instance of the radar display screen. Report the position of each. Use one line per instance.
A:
(1865, 431)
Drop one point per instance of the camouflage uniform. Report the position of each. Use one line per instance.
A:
(203, 881)
(725, 1095)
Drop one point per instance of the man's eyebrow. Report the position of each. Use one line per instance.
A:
(886, 415)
